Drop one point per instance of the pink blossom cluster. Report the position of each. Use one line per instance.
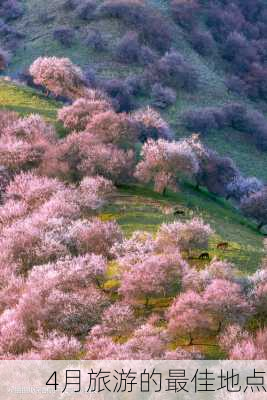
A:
(164, 162)
(59, 76)
(25, 143)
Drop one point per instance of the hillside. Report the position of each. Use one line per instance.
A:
(133, 179)
(38, 31)
(141, 209)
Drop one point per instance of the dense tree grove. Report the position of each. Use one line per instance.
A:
(237, 29)
(72, 283)
(233, 115)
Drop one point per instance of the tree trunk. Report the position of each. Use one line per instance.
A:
(146, 303)
(219, 327)
(190, 340)
(164, 191)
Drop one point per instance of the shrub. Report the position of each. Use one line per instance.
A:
(128, 48)
(147, 55)
(64, 36)
(239, 52)
(202, 42)
(96, 41)
(59, 76)
(204, 119)
(90, 76)
(136, 85)
(172, 70)
(185, 12)
(10, 10)
(120, 94)
(130, 11)
(156, 31)
(223, 21)
(86, 11)
(216, 172)
(236, 85)
(162, 97)
(11, 35)
(70, 5)
(243, 187)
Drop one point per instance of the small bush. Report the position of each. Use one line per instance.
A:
(10, 34)
(162, 97)
(204, 119)
(70, 5)
(202, 42)
(239, 52)
(86, 11)
(216, 172)
(64, 36)
(90, 76)
(120, 94)
(185, 12)
(128, 48)
(130, 11)
(156, 32)
(10, 10)
(174, 71)
(136, 85)
(96, 41)
(236, 85)
(147, 55)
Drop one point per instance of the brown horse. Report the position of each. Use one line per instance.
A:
(223, 245)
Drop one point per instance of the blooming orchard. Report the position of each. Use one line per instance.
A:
(72, 284)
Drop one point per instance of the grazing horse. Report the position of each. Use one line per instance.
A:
(204, 256)
(223, 245)
(178, 211)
